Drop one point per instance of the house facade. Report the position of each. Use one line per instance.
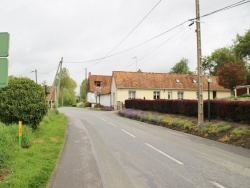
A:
(145, 85)
(51, 96)
(99, 90)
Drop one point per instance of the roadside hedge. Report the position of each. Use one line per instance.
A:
(23, 100)
(237, 111)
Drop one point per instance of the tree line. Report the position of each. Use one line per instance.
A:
(231, 64)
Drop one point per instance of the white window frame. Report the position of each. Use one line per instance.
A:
(156, 95)
(180, 95)
(131, 94)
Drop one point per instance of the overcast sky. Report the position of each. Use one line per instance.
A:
(43, 31)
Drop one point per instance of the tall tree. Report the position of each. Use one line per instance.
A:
(242, 50)
(231, 75)
(242, 46)
(83, 88)
(67, 87)
(181, 67)
(211, 64)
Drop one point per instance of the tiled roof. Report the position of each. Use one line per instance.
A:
(105, 83)
(162, 81)
(51, 96)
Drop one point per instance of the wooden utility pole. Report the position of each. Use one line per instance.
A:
(58, 86)
(199, 66)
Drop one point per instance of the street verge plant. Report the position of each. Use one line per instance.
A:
(23, 100)
(220, 131)
(32, 164)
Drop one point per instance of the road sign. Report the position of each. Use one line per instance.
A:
(3, 72)
(4, 44)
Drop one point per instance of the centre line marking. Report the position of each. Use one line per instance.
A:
(102, 119)
(112, 124)
(166, 155)
(217, 184)
(128, 133)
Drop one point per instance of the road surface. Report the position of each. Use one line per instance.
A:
(105, 150)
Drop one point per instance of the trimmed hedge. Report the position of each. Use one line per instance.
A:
(237, 111)
(23, 100)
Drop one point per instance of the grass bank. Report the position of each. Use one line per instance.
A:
(32, 164)
(226, 132)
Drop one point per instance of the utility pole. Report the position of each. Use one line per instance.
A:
(199, 62)
(58, 86)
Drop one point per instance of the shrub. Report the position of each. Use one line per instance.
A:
(23, 100)
(245, 95)
(87, 104)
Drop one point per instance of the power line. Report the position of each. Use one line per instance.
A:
(223, 9)
(140, 44)
(48, 71)
(135, 46)
(157, 47)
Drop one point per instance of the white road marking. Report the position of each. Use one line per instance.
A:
(217, 184)
(166, 155)
(112, 124)
(128, 133)
(102, 119)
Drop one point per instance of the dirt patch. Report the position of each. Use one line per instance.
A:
(39, 141)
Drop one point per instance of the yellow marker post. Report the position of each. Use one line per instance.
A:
(20, 133)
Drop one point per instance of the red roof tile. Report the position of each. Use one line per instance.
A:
(105, 83)
(162, 81)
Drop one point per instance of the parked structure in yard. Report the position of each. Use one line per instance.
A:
(99, 90)
(146, 85)
(241, 90)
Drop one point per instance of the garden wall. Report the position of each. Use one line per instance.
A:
(237, 111)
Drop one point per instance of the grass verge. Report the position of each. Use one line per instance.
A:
(226, 132)
(32, 164)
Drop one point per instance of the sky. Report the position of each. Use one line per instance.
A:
(80, 31)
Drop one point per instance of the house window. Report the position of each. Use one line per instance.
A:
(194, 81)
(177, 81)
(180, 95)
(156, 94)
(98, 83)
(131, 94)
(170, 95)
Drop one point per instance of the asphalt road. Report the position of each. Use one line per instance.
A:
(105, 150)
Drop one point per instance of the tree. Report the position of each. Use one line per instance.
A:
(181, 67)
(211, 64)
(242, 46)
(231, 75)
(23, 100)
(67, 87)
(83, 88)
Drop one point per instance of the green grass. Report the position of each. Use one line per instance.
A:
(33, 164)
(239, 132)
(217, 128)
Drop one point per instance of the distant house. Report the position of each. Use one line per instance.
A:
(146, 85)
(51, 96)
(99, 90)
(241, 90)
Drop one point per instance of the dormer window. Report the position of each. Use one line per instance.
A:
(98, 83)
(177, 81)
(194, 81)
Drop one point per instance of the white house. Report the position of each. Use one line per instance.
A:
(99, 90)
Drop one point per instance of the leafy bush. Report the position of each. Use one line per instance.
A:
(217, 128)
(245, 95)
(23, 100)
(87, 104)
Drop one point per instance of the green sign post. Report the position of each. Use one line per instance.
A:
(4, 52)
(3, 72)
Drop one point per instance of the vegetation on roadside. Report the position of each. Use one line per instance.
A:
(23, 100)
(230, 133)
(32, 164)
